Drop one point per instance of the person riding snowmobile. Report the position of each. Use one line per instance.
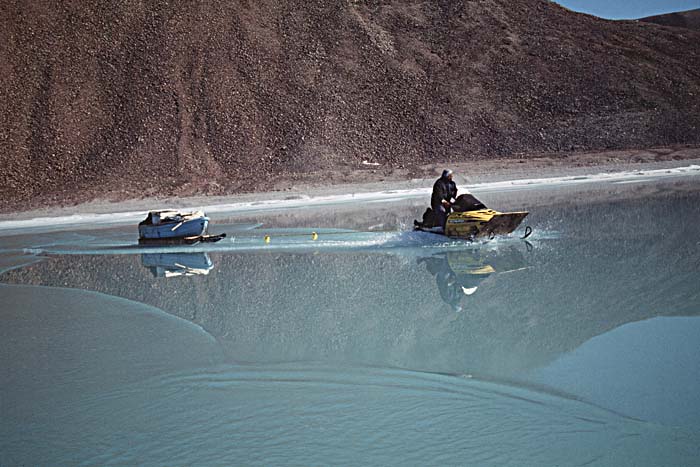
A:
(444, 194)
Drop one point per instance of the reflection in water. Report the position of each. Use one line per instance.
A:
(177, 264)
(381, 306)
(458, 274)
(360, 314)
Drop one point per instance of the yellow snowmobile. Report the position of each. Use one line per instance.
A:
(471, 219)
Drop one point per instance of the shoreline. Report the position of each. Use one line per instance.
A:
(374, 180)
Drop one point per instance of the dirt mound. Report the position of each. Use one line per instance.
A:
(684, 19)
(133, 98)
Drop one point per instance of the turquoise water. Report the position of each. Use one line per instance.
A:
(371, 345)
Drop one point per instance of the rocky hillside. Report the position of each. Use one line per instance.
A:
(133, 98)
(684, 19)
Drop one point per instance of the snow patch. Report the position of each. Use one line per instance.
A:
(133, 217)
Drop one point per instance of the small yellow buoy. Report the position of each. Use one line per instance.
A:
(314, 236)
(267, 239)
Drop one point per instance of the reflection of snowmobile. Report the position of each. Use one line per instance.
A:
(460, 273)
(471, 219)
(177, 264)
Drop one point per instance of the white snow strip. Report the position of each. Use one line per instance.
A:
(133, 217)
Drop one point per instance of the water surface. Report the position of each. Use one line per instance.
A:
(372, 345)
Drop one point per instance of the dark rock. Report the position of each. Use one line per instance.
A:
(141, 97)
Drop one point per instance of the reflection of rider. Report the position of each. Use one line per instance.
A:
(444, 193)
(453, 286)
(446, 279)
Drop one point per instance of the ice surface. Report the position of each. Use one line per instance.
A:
(87, 219)
(574, 348)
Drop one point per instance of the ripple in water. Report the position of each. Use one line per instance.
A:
(303, 414)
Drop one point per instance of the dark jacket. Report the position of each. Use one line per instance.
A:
(445, 189)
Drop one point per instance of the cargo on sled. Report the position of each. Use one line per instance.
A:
(470, 219)
(173, 227)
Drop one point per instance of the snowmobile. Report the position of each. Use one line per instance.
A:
(471, 220)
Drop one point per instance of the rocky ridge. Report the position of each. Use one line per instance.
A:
(134, 99)
(683, 19)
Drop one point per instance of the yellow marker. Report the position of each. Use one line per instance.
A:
(267, 239)
(314, 236)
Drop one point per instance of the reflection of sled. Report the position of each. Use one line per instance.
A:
(177, 264)
(472, 219)
(477, 262)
